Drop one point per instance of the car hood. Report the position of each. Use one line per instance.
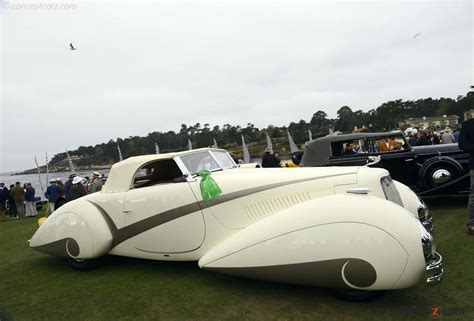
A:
(436, 149)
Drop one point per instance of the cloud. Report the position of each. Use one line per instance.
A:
(142, 67)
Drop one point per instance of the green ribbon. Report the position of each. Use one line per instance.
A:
(209, 187)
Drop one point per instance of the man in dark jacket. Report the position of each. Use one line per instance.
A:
(11, 203)
(30, 200)
(77, 189)
(270, 160)
(466, 143)
(3, 201)
(52, 194)
(67, 186)
(3, 197)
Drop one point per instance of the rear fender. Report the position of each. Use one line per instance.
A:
(67, 233)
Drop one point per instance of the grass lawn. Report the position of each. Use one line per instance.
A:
(35, 286)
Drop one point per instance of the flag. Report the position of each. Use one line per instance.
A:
(39, 176)
(214, 143)
(157, 149)
(293, 147)
(246, 153)
(269, 143)
(310, 134)
(69, 160)
(190, 144)
(119, 152)
(47, 169)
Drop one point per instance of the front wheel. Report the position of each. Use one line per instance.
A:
(82, 264)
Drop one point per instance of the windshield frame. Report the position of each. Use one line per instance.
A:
(188, 173)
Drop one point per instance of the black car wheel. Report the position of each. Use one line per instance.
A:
(439, 173)
(82, 264)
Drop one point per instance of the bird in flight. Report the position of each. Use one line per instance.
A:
(72, 46)
(419, 33)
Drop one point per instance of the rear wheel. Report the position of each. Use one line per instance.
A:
(82, 264)
(356, 295)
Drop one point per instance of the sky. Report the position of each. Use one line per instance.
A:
(149, 66)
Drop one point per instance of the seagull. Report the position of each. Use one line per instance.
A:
(419, 33)
(72, 46)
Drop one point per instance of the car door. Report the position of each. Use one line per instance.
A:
(165, 218)
(402, 166)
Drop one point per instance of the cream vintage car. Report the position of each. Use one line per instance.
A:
(348, 228)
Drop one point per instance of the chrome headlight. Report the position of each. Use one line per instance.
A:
(422, 207)
(424, 215)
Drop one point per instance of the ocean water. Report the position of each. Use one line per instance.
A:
(34, 179)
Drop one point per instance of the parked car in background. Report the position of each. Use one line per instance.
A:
(430, 171)
(349, 228)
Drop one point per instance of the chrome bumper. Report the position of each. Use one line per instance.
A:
(434, 261)
(434, 268)
(427, 222)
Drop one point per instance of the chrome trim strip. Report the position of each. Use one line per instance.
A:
(129, 231)
(359, 190)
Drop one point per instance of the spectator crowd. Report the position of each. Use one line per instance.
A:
(420, 138)
(20, 201)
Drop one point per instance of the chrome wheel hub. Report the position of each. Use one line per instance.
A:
(441, 176)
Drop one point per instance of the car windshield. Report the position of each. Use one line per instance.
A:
(207, 160)
(224, 159)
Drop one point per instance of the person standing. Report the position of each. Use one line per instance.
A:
(67, 185)
(433, 138)
(77, 189)
(3, 201)
(62, 189)
(11, 203)
(18, 195)
(413, 141)
(269, 159)
(456, 135)
(96, 183)
(52, 194)
(448, 138)
(30, 201)
(466, 143)
(3, 197)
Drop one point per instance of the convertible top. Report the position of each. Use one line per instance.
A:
(122, 173)
(318, 151)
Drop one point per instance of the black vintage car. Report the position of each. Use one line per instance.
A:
(433, 170)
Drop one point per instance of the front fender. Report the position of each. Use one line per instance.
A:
(338, 241)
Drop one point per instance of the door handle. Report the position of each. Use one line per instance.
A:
(409, 160)
(126, 211)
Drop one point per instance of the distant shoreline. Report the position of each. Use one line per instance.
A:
(58, 170)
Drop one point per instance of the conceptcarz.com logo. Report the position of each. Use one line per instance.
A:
(435, 311)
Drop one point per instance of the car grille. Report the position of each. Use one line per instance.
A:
(390, 191)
